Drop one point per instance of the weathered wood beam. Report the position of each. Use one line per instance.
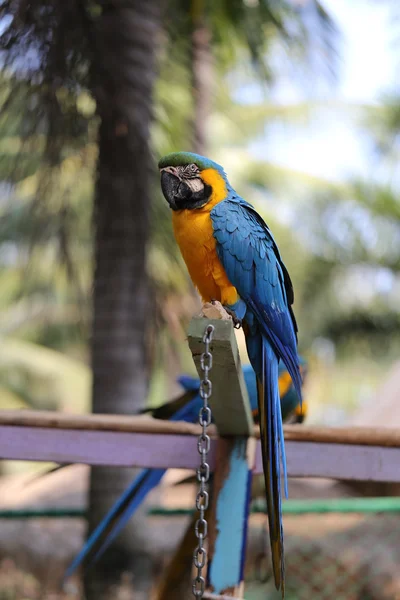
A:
(359, 436)
(97, 422)
(349, 462)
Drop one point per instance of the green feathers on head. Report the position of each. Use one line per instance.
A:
(176, 159)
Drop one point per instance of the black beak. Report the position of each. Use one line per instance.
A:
(175, 191)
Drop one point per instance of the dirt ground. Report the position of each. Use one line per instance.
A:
(331, 556)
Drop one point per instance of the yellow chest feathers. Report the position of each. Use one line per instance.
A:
(194, 234)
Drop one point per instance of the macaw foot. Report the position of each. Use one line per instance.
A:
(214, 310)
(237, 323)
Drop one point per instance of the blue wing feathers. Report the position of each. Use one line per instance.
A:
(253, 264)
(251, 270)
(248, 260)
(287, 353)
(231, 226)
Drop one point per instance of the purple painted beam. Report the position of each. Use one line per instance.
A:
(340, 461)
(109, 448)
(305, 459)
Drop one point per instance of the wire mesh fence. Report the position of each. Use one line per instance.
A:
(335, 556)
(347, 549)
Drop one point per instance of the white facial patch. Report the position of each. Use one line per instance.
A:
(195, 184)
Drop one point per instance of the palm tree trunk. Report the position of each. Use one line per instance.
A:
(202, 75)
(177, 580)
(123, 76)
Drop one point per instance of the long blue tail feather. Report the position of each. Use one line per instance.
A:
(287, 353)
(276, 443)
(152, 482)
(265, 362)
(135, 494)
(282, 449)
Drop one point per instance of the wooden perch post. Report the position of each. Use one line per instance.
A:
(235, 457)
(229, 400)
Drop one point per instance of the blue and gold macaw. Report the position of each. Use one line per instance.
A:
(184, 408)
(232, 258)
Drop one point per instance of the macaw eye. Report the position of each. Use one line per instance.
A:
(191, 169)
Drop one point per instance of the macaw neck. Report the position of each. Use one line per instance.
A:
(221, 188)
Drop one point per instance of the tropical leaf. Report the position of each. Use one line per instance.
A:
(9, 400)
(66, 381)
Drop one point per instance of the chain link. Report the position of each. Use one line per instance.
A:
(203, 472)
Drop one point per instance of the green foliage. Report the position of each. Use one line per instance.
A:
(244, 31)
(384, 125)
(42, 378)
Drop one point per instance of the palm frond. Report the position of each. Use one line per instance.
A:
(59, 381)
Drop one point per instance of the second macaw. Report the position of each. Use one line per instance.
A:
(233, 258)
(184, 408)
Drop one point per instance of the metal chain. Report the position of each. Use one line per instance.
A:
(203, 472)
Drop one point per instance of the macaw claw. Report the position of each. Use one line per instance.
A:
(237, 323)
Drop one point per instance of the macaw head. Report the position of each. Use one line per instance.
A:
(190, 181)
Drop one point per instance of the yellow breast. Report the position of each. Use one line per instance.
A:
(194, 234)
